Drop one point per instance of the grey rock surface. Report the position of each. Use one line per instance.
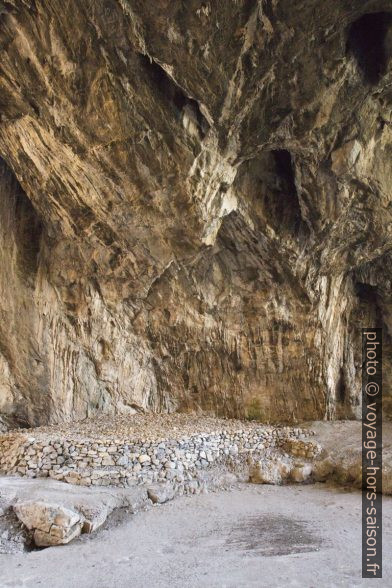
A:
(160, 493)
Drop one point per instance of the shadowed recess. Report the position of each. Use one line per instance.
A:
(367, 43)
(289, 209)
(168, 89)
(28, 225)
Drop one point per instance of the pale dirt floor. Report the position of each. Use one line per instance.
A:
(252, 536)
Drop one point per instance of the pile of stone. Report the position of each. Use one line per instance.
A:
(123, 451)
(300, 448)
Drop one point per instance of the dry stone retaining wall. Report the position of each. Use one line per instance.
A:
(103, 462)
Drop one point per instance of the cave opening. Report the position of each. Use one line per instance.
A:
(367, 43)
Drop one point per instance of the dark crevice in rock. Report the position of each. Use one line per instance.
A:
(13, 421)
(285, 171)
(366, 42)
(369, 298)
(288, 209)
(366, 293)
(104, 234)
(341, 391)
(6, 8)
(28, 226)
(82, 216)
(171, 92)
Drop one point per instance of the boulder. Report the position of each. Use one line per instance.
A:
(270, 472)
(301, 472)
(51, 524)
(323, 469)
(160, 493)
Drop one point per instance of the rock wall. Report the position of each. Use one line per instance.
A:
(195, 207)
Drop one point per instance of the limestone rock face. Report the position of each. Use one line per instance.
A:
(195, 207)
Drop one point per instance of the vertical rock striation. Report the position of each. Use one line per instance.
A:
(195, 207)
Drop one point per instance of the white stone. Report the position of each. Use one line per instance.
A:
(144, 458)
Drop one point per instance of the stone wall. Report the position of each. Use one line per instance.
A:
(108, 461)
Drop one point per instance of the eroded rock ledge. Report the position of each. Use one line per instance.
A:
(195, 208)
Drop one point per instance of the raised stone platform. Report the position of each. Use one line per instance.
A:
(122, 451)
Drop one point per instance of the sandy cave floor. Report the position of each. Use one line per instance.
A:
(259, 536)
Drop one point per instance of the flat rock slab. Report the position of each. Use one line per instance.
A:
(56, 512)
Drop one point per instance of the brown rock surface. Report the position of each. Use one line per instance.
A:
(195, 208)
(53, 524)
